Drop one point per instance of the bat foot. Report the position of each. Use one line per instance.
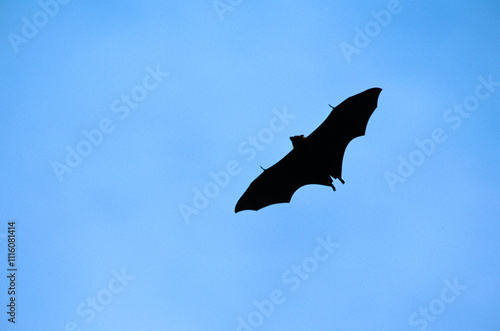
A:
(341, 180)
(333, 187)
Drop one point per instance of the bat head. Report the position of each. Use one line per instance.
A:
(298, 142)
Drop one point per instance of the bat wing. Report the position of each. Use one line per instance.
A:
(346, 121)
(278, 183)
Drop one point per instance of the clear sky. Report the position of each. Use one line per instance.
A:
(129, 129)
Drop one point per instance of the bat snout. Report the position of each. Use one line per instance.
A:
(298, 141)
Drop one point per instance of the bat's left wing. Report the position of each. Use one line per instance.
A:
(278, 183)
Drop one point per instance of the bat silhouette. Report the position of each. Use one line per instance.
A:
(315, 159)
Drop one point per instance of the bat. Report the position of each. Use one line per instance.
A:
(314, 159)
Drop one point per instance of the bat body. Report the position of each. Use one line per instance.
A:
(315, 159)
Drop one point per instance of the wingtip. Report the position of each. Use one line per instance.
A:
(240, 207)
(373, 92)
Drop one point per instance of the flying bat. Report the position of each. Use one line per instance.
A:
(314, 159)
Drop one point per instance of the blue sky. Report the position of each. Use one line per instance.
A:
(123, 129)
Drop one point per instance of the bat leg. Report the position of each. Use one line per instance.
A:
(333, 187)
(341, 180)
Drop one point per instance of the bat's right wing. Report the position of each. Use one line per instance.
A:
(278, 183)
(346, 121)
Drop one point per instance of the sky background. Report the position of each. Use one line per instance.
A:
(121, 239)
